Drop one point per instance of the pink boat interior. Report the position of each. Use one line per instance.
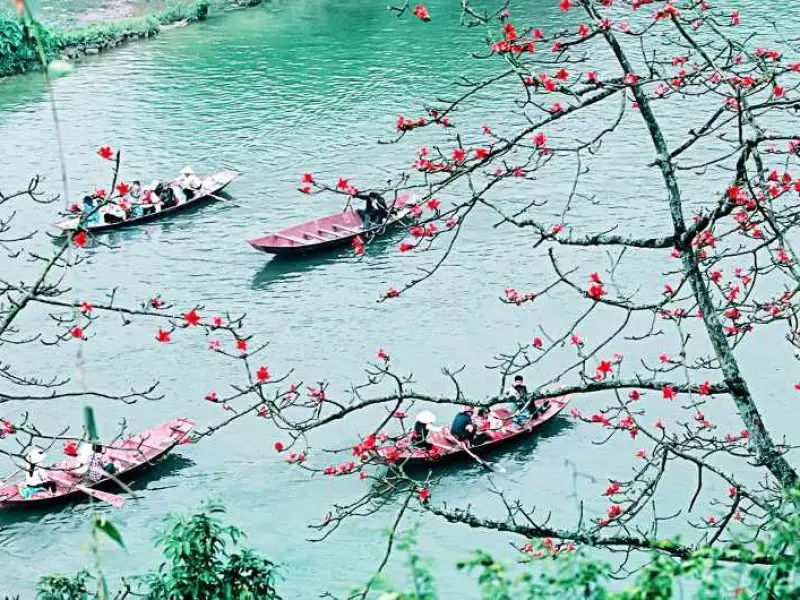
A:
(132, 452)
(319, 231)
(445, 444)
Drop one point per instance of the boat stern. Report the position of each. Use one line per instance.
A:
(66, 225)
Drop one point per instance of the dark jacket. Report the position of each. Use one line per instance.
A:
(420, 434)
(460, 429)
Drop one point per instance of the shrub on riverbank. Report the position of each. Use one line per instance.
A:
(201, 563)
(18, 52)
(19, 39)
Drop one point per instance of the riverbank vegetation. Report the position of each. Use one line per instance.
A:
(23, 39)
(202, 562)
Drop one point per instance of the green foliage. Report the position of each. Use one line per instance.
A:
(422, 583)
(18, 48)
(107, 528)
(201, 567)
(765, 570)
(61, 587)
(178, 11)
(201, 564)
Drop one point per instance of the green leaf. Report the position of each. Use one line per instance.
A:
(107, 527)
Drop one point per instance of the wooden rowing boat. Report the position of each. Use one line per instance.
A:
(211, 185)
(135, 454)
(446, 447)
(328, 232)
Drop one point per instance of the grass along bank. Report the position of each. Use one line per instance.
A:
(25, 43)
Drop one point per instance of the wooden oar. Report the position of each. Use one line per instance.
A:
(480, 461)
(221, 199)
(10, 476)
(477, 459)
(112, 499)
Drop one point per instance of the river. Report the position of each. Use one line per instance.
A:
(307, 85)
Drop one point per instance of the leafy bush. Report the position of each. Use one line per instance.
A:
(18, 38)
(200, 565)
(61, 587)
(18, 45)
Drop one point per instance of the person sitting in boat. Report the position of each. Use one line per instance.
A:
(485, 421)
(525, 407)
(90, 208)
(150, 202)
(166, 195)
(423, 426)
(463, 429)
(114, 212)
(189, 183)
(134, 198)
(518, 390)
(72, 462)
(93, 465)
(36, 478)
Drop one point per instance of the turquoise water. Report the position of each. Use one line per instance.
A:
(273, 92)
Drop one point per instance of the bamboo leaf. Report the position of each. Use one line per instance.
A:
(109, 529)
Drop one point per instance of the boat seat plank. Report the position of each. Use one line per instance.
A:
(289, 238)
(315, 236)
(329, 232)
(342, 227)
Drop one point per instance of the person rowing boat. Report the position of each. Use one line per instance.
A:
(189, 183)
(375, 211)
(92, 465)
(463, 428)
(36, 478)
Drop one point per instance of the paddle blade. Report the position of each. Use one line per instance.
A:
(112, 499)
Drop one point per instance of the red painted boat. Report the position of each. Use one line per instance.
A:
(328, 232)
(446, 447)
(133, 454)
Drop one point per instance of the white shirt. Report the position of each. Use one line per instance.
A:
(85, 454)
(38, 477)
(511, 391)
(495, 423)
(177, 193)
(189, 181)
(490, 422)
(113, 209)
(193, 181)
